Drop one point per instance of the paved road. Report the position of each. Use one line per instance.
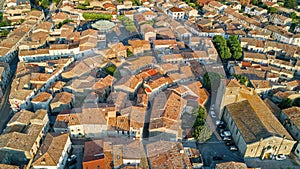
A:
(217, 148)
(78, 151)
(5, 110)
(271, 164)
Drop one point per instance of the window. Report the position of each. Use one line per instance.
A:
(251, 150)
(78, 129)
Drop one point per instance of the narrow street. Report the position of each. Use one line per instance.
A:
(5, 110)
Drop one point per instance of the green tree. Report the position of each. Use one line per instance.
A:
(254, 2)
(4, 33)
(96, 16)
(56, 2)
(44, 3)
(242, 79)
(291, 4)
(87, 2)
(222, 48)
(293, 15)
(285, 103)
(235, 47)
(272, 10)
(199, 112)
(129, 53)
(202, 133)
(82, 7)
(130, 28)
(111, 69)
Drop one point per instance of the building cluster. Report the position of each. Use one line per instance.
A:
(129, 95)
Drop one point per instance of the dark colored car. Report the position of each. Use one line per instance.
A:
(229, 143)
(217, 158)
(221, 126)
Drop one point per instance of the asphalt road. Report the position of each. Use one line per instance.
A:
(78, 151)
(5, 111)
(217, 148)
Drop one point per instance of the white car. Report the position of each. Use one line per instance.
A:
(226, 138)
(72, 158)
(280, 157)
(225, 133)
(219, 122)
(213, 114)
(233, 148)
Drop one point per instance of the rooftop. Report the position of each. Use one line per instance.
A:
(52, 148)
(42, 97)
(293, 113)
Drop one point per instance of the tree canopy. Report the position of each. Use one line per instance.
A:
(201, 131)
(272, 10)
(235, 47)
(285, 103)
(291, 4)
(129, 24)
(96, 16)
(242, 79)
(296, 102)
(221, 46)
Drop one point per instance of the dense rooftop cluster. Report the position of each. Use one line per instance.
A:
(130, 83)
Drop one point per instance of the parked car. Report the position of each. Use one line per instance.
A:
(233, 148)
(229, 143)
(225, 133)
(213, 114)
(217, 158)
(226, 138)
(219, 122)
(221, 126)
(280, 157)
(72, 159)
